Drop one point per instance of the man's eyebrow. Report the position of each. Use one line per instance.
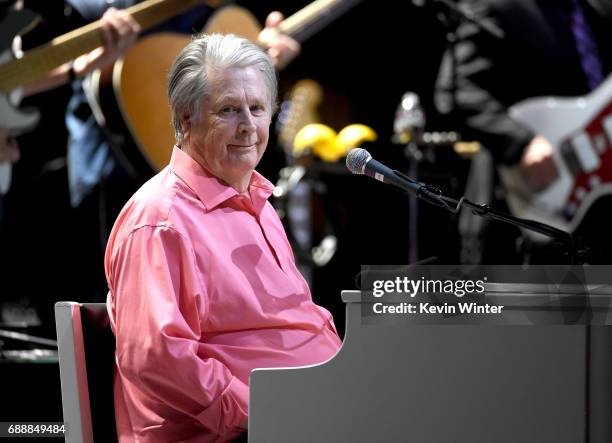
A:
(234, 98)
(227, 97)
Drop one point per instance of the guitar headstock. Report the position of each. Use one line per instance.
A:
(297, 111)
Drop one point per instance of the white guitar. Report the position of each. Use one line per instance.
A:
(580, 130)
(17, 121)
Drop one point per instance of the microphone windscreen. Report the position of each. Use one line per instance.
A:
(357, 159)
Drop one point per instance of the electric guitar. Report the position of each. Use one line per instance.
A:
(37, 63)
(580, 130)
(135, 107)
(15, 120)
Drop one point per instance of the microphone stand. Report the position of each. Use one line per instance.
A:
(452, 16)
(578, 253)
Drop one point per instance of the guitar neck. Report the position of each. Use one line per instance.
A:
(312, 18)
(35, 64)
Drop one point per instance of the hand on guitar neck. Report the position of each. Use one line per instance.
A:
(537, 163)
(282, 49)
(119, 31)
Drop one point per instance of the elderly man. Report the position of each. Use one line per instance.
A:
(203, 283)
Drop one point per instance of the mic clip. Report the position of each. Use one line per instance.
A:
(430, 193)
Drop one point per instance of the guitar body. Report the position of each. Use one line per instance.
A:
(132, 97)
(580, 130)
(234, 20)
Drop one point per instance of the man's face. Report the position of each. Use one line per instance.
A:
(231, 133)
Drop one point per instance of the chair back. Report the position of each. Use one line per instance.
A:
(86, 347)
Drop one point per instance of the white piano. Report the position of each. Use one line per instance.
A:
(404, 382)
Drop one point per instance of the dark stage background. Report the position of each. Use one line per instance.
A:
(365, 61)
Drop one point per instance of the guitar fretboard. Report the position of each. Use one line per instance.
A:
(35, 64)
(314, 17)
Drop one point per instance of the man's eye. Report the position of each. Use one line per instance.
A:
(257, 109)
(228, 109)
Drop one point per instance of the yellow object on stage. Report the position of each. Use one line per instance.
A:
(318, 138)
(353, 136)
(323, 141)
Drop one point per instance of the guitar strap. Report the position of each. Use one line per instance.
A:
(586, 46)
(89, 156)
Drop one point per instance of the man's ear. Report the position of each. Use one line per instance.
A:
(185, 125)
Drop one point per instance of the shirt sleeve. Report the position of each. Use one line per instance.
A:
(159, 305)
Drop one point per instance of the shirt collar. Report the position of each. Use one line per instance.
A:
(213, 191)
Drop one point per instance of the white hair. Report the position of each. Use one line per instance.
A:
(188, 82)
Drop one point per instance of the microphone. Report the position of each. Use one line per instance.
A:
(359, 161)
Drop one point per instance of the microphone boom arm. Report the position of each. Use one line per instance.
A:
(359, 161)
(434, 196)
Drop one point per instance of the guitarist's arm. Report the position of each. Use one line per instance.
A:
(119, 30)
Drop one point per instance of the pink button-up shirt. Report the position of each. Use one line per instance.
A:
(203, 288)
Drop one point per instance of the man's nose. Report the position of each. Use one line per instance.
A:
(247, 122)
